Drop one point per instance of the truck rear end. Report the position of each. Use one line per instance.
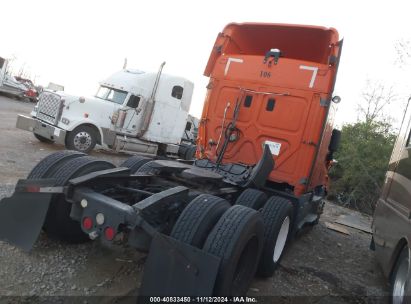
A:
(213, 223)
(282, 78)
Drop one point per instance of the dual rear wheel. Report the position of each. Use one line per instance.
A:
(63, 166)
(277, 218)
(249, 237)
(234, 234)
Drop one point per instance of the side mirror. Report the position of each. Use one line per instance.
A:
(336, 99)
(133, 101)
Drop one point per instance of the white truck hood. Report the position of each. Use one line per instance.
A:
(92, 110)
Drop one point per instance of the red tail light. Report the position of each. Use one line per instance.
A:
(87, 223)
(30, 93)
(109, 233)
(32, 188)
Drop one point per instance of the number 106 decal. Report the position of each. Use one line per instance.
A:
(314, 70)
(265, 74)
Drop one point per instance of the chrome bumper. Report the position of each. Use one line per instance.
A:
(41, 128)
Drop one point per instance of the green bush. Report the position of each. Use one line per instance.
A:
(363, 157)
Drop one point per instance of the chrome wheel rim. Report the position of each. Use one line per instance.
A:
(399, 285)
(281, 239)
(82, 141)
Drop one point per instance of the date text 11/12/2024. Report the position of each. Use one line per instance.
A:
(202, 300)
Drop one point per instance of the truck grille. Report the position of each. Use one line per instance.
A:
(48, 107)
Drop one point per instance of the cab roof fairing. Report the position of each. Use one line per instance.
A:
(308, 43)
(140, 82)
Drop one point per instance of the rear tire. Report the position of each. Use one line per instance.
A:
(52, 162)
(190, 152)
(252, 198)
(135, 162)
(82, 139)
(237, 239)
(400, 278)
(58, 224)
(147, 169)
(182, 150)
(43, 139)
(277, 215)
(198, 218)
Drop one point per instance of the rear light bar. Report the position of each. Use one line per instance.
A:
(88, 225)
(39, 189)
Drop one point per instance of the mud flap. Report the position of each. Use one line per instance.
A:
(177, 269)
(261, 170)
(22, 215)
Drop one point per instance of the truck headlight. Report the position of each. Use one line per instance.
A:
(65, 121)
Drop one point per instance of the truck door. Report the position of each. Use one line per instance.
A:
(113, 99)
(397, 188)
(130, 115)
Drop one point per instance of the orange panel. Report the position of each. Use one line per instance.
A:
(281, 99)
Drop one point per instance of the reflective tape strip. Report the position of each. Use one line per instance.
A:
(230, 59)
(39, 189)
(51, 189)
(314, 75)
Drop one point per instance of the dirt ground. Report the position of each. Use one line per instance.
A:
(320, 266)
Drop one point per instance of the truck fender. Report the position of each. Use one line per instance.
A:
(90, 123)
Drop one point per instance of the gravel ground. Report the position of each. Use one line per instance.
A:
(320, 266)
(57, 269)
(328, 267)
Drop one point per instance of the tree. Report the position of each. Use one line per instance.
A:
(363, 157)
(403, 49)
(364, 151)
(376, 98)
(366, 145)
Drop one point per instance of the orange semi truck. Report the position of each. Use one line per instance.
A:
(265, 146)
(282, 77)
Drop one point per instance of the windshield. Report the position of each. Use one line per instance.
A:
(112, 95)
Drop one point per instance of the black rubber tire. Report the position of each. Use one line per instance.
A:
(135, 162)
(182, 150)
(58, 224)
(52, 162)
(190, 152)
(72, 134)
(252, 198)
(400, 268)
(237, 239)
(147, 169)
(198, 218)
(43, 139)
(274, 213)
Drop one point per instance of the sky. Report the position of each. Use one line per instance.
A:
(79, 43)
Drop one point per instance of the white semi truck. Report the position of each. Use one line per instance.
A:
(133, 111)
